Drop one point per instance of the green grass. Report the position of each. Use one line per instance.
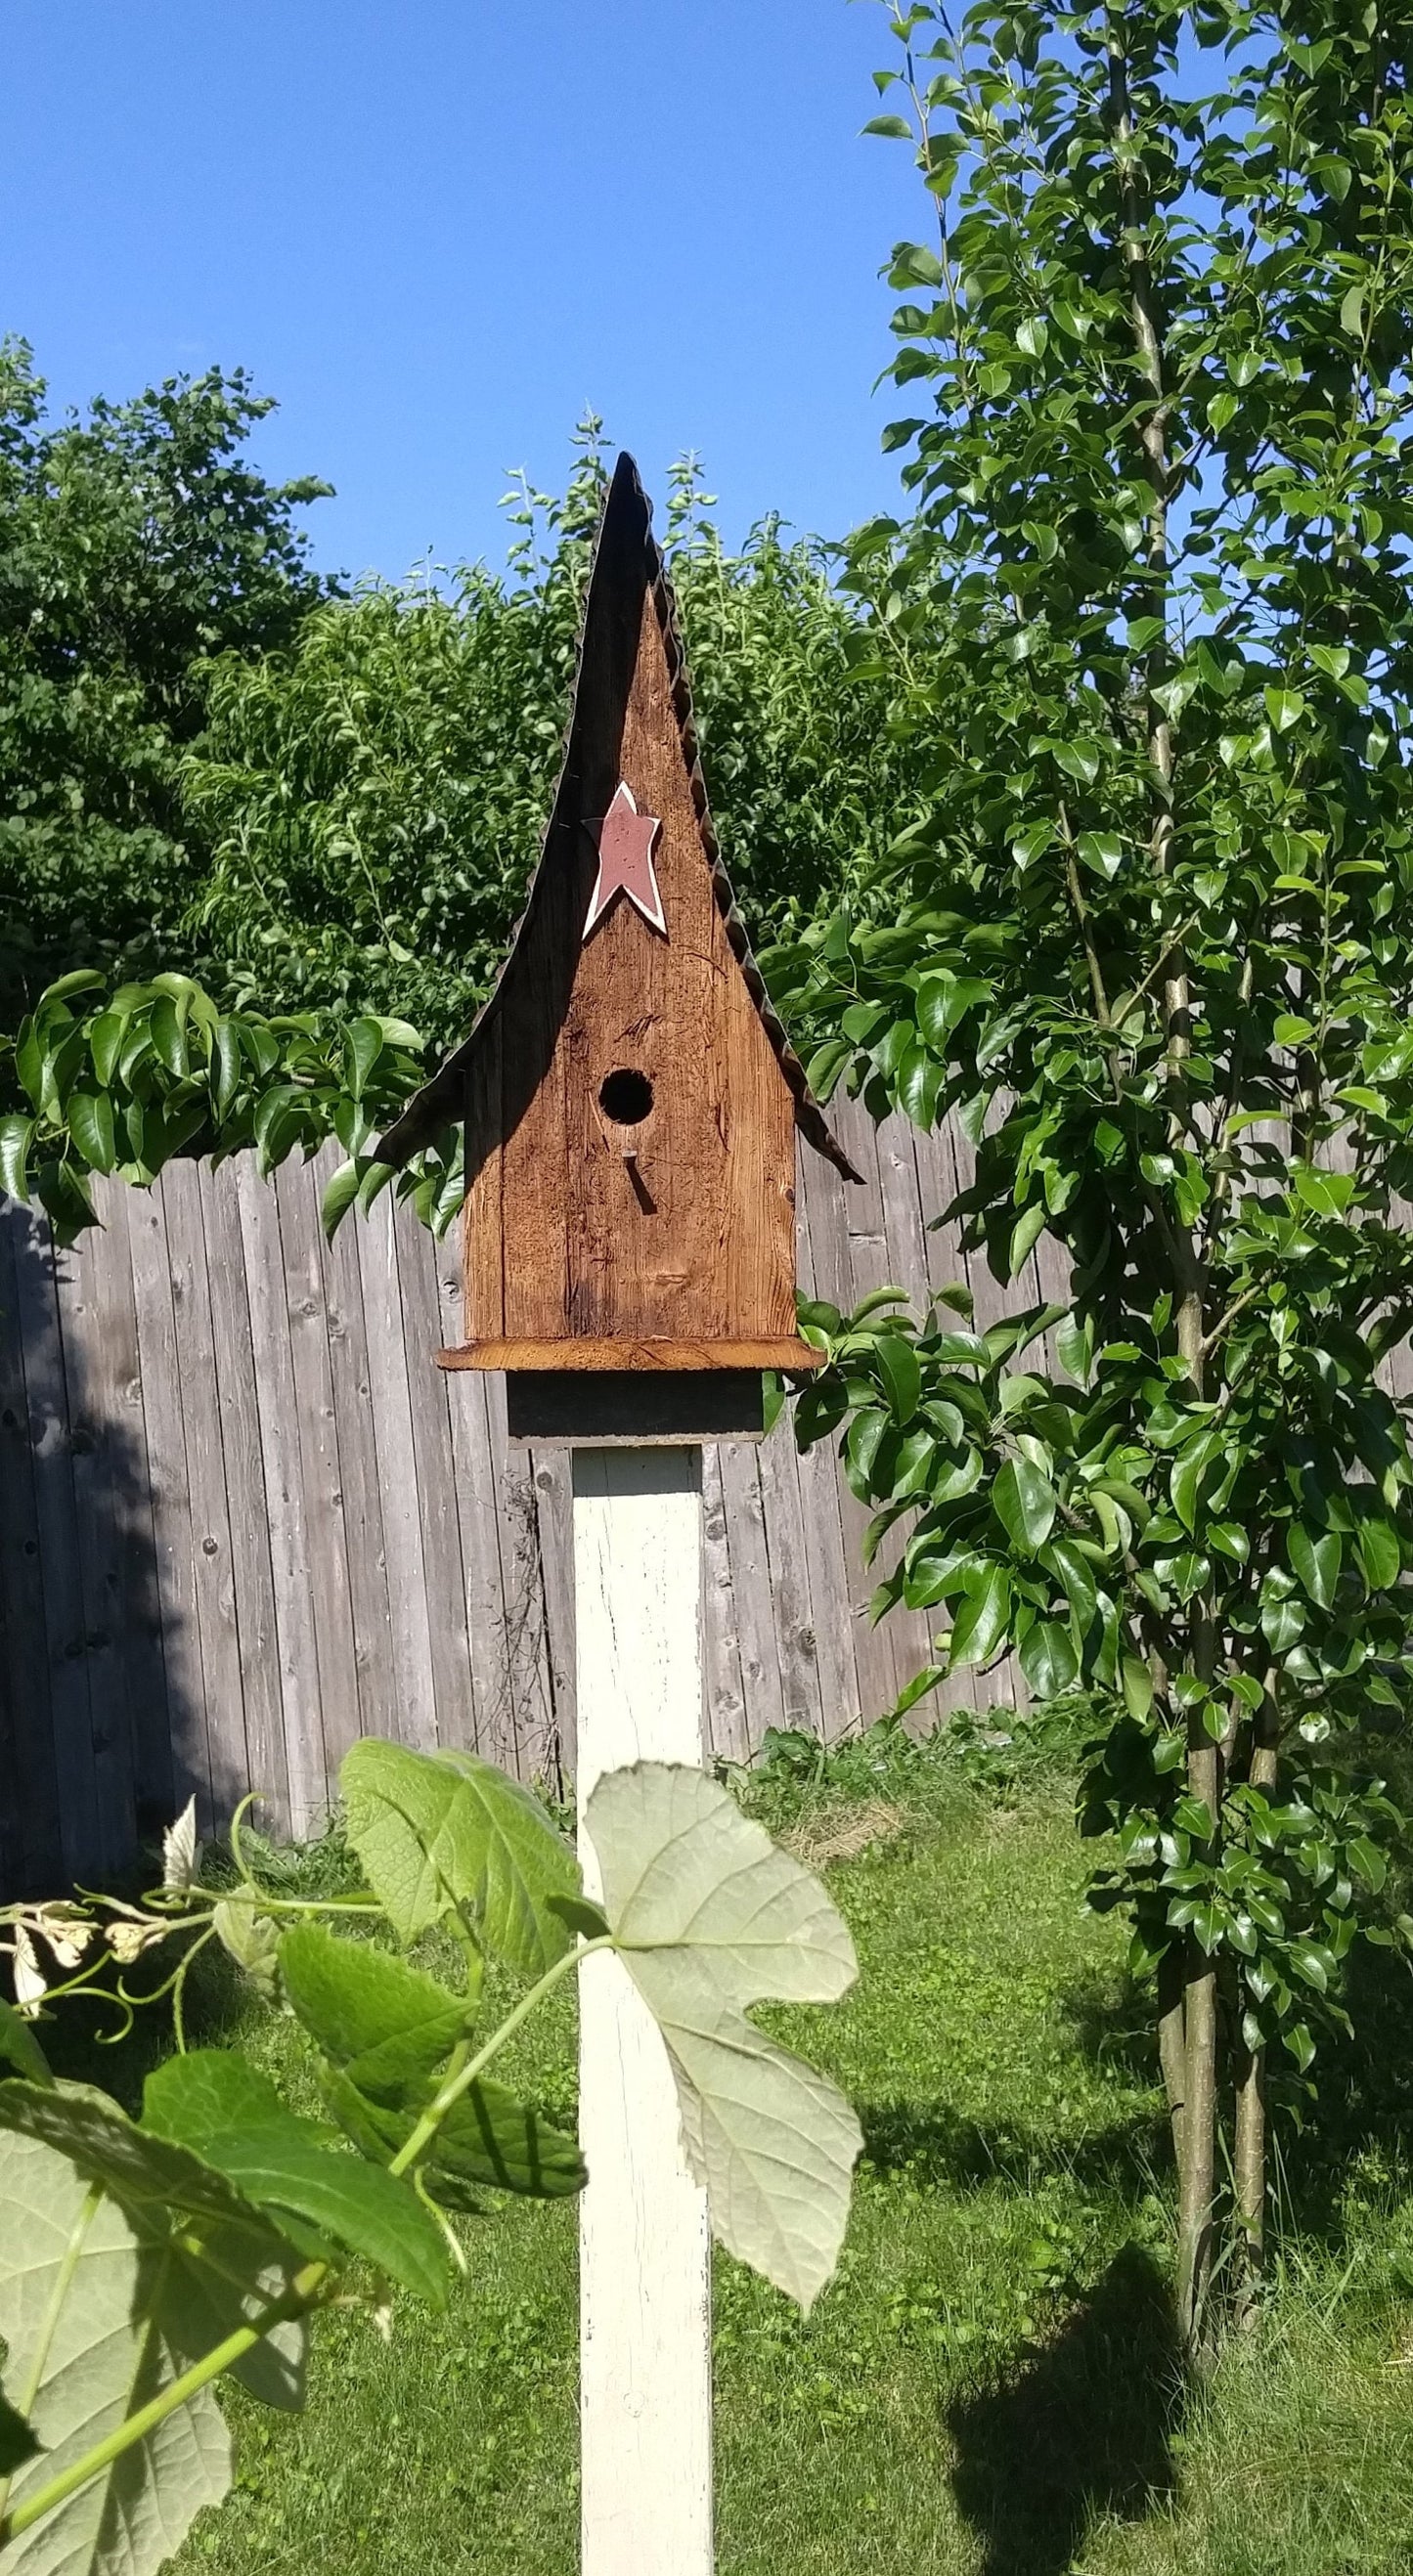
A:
(989, 2387)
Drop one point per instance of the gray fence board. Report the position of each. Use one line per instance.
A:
(245, 1517)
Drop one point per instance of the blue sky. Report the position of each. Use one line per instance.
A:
(437, 228)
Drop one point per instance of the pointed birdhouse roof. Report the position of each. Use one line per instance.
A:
(627, 563)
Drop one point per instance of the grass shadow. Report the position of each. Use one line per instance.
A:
(84, 2040)
(940, 2146)
(1084, 2428)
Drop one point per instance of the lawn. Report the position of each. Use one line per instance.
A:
(988, 2388)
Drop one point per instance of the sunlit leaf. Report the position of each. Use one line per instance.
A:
(710, 1917)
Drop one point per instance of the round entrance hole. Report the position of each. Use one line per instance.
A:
(625, 1097)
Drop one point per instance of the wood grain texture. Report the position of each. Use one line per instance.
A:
(184, 1739)
(252, 1556)
(783, 1351)
(320, 1470)
(678, 1227)
(389, 1361)
(296, 1638)
(374, 1712)
(213, 1557)
(30, 1826)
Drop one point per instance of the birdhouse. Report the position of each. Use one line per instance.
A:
(630, 1098)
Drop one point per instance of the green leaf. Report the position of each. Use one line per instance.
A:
(1380, 1555)
(1025, 1503)
(221, 2260)
(981, 1620)
(90, 1123)
(340, 1191)
(389, 2024)
(901, 1372)
(1080, 759)
(105, 1044)
(1316, 1558)
(1048, 1659)
(363, 1045)
(169, 1035)
(895, 128)
(1324, 1193)
(487, 2138)
(146, 2174)
(710, 1918)
(19, 2049)
(212, 2101)
(1371, 1863)
(16, 1133)
(1285, 707)
(441, 1832)
(248, 1937)
(1137, 1687)
(1025, 1234)
(1101, 851)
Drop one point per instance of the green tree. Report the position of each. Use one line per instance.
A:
(134, 544)
(373, 794)
(1155, 949)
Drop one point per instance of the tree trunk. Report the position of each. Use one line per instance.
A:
(1172, 2041)
(1249, 2159)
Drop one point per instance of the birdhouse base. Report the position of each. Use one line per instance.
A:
(574, 1357)
(657, 1408)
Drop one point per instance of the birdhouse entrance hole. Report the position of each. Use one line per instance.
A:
(625, 1096)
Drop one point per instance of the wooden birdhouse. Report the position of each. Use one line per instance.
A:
(630, 1098)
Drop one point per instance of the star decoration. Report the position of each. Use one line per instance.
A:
(625, 846)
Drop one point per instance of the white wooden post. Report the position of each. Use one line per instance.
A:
(644, 2245)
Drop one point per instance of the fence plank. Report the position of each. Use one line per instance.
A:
(726, 1728)
(539, 1751)
(212, 1554)
(376, 1713)
(490, 1718)
(190, 1767)
(750, 1587)
(251, 1532)
(31, 1840)
(413, 1677)
(320, 1465)
(284, 1498)
(435, 1475)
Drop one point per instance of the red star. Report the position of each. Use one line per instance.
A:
(625, 845)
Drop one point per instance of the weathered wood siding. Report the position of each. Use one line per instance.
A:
(244, 1518)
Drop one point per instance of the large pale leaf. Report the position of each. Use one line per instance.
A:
(222, 2260)
(84, 2296)
(709, 1917)
(437, 1832)
(212, 2101)
(683, 1868)
(144, 2173)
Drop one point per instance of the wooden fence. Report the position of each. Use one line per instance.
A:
(243, 1518)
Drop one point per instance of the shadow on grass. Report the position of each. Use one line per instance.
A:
(1114, 2025)
(79, 2040)
(1083, 2428)
(939, 2145)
